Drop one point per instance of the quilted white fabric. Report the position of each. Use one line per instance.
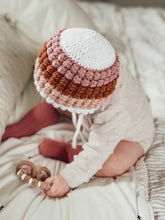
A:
(156, 167)
(16, 61)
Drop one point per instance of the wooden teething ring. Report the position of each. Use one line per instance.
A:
(27, 172)
(43, 173)
(27, 163)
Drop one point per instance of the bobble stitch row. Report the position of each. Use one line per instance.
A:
(48, 69)
(82, 91)
(62, 63)
(78, 105)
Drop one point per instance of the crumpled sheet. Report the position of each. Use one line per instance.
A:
(102, 198)
(123, 197)
(156, 171)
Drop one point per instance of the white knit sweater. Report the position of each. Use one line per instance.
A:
(125, 116)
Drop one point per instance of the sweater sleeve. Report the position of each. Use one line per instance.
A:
(106, 132)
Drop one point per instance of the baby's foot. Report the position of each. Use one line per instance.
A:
(58, 150)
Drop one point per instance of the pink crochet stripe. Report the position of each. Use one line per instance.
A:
(48, 88)
(68, 101)
(42, 82)
(36, 64)
(73, 71)
(37, 71)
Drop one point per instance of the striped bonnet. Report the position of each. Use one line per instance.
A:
(76, 70)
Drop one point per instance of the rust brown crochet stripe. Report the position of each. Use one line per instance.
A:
(67, 87)
(78, 91)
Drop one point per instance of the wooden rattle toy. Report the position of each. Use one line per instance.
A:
(27, 172)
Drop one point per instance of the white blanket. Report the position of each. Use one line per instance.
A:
(102, 198)
(125, 197)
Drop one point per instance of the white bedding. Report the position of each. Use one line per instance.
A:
(102, 198)
(132, 32)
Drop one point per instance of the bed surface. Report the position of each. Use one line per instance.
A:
(99, 198)
(132, 33)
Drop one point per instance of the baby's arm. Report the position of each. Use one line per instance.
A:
(126, 152)
(104, 136)
(84, 166)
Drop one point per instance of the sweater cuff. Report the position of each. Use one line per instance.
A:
(70, 176)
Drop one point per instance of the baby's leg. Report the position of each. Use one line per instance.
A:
(124, 157)
(40, 116)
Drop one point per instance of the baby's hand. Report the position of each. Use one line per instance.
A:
(59, 186)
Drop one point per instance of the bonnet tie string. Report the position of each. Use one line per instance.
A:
(74, 119)
(77, 124)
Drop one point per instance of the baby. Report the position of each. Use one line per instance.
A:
(80, 75)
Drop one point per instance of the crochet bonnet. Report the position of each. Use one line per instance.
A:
(76, 70)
